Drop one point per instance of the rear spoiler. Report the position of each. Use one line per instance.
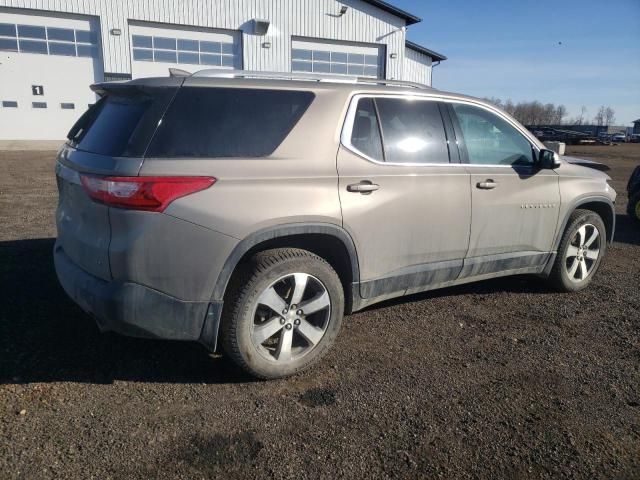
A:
(105, 87)
(137, 86)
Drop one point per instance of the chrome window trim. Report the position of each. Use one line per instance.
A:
(347, 127)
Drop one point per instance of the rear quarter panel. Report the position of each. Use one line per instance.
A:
(173, 256)
(297, 183)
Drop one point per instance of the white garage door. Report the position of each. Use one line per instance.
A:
(47, 64)
(156, 48)
(322, 56)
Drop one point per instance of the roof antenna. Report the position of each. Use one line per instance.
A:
(177, 72)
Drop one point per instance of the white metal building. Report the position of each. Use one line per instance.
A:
(52, 50)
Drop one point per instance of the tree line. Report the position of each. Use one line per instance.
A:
(538, 113)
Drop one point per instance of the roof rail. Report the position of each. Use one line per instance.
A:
(393, 83)
(313, 77)
(217, 73)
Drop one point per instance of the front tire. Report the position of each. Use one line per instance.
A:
(282, 313)
(582, 247)
(633, 207)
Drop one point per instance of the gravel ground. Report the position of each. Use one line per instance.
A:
(500, 379)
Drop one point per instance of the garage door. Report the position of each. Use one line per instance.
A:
(156, 48)
(322, 56)
(47, 64)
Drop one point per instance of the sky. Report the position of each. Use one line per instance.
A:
(570, 52)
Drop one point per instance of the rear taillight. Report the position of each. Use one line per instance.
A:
(153, 194)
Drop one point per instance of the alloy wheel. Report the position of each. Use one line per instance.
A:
(582, 252)
(291, 317)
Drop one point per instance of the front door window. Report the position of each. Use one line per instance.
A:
(490, 140)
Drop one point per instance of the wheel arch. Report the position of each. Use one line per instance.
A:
(326, 240)
(601, 205)
(606, 212)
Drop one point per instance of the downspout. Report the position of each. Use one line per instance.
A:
(433, 65)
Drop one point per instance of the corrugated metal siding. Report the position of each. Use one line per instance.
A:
(417, 67)
(306, 18)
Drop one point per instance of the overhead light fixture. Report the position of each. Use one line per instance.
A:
(343, 10)
(116, 31)
(261, 27)
(266, 44)
(393, 55)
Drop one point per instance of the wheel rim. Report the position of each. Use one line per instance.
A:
(582, 252)
(290, 318)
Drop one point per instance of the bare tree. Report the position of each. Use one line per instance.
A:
(581, 118)
(609, 116)
(535, 113)
(549, 114)
(509, 107)
(495, 101)
(600, 116)
(560, 113)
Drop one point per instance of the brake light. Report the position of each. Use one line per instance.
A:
(153, 194)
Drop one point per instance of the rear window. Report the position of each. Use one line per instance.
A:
(228, 122)
(122, 123)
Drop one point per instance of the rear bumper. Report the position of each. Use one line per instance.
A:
(135, 310)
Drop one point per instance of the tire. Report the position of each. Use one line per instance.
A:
(252, 312)
(565, 275)
(633, 207)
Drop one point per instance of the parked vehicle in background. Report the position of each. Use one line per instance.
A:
(257, 210)
(633, 193)
(635, 138)
(570, 137)
(619, 137)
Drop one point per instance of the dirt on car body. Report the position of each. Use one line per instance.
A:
(499, 379)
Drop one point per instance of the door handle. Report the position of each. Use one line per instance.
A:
(487, 184)
(365, 187)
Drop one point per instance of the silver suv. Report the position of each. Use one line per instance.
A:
(254, 212)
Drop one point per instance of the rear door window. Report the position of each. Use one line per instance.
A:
(365, 134)
(412, 131)
(122, 123)
(228, 122)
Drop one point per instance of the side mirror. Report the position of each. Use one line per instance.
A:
(548, 160)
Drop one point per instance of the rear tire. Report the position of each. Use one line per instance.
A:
(582, 248)
(282, 313)
(633, 207)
